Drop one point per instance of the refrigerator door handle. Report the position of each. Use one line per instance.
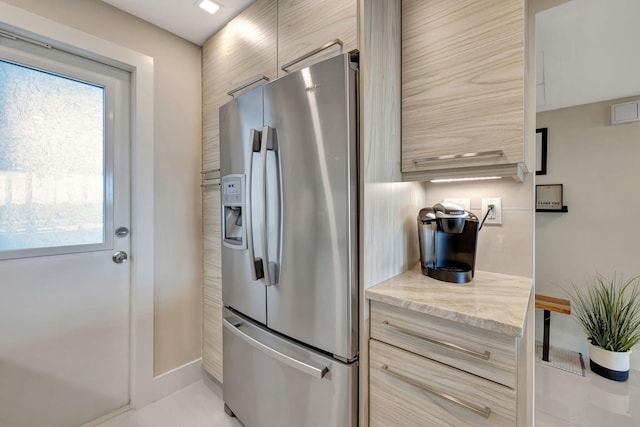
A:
(255, 264)
(270, 266)
(316, 372)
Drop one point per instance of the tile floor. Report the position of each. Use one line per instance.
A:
(562, 400)
(198, 405)
(568, 400)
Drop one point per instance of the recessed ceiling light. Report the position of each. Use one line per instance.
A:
(209, 6)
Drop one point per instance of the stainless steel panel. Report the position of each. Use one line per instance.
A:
(240, 128)
(265, 391)
(313, 114)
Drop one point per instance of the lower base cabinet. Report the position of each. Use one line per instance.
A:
(428, 371)
(212, 282)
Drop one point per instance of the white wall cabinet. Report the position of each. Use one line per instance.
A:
(463, 87)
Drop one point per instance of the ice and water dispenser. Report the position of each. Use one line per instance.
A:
(234, 233)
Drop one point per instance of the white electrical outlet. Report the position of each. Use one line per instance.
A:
(495, 216)
(464, 203)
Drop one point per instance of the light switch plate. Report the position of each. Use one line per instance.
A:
(465, 203)
(495, 216)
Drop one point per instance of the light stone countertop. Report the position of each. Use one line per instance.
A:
(492, 301)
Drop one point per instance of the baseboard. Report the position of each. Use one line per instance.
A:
(107, 417)
(176, 379)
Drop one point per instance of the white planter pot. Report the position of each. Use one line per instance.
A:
(610, 364)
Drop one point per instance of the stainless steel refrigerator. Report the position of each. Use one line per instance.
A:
(288, 156)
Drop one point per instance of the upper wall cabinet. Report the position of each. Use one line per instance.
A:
(463, 88)
(252, 45)
(305, 26)
(215, 78)
(237, 58)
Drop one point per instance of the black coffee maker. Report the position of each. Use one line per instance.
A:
(448, 237)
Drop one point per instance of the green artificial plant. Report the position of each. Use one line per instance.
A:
(609, 311)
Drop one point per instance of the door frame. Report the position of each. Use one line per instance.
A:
(140, 66)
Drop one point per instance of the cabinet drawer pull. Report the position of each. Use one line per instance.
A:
(310, 54)
(208, 171)
(459, 156)
(484, 355)
(483, 412)
(247, 84)
(211, 174)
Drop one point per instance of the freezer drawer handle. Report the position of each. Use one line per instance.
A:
(484, 355)
(310, 54)
(498, 153)
(318, 373)
(483, 412)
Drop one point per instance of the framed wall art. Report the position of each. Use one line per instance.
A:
(549, 198)
(541, 151)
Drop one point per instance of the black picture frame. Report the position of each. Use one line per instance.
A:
(541, 151)
(549, 198)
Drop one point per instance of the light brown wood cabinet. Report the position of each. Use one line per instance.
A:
(307, 25)
(212, 277)
(251, 46)
(214, 80)
(237, 58)
(463, 88)
(428, 371)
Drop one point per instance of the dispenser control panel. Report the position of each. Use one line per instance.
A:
(232, 190)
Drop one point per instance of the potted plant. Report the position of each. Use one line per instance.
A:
(609, 313)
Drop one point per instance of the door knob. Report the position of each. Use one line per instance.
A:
(120, 257)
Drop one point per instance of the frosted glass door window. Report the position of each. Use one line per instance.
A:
(52, 160)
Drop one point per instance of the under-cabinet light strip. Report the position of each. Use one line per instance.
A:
(479, 178)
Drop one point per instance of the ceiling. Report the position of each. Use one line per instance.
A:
(183, 17)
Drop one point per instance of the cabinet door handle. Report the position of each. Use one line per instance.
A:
(310, 54)
(247, 84)
(484, 355)
(483, 412)
(459, 156)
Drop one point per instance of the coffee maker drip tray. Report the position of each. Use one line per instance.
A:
(453, 274)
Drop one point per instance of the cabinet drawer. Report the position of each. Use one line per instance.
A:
(409, 390)
(485, 353)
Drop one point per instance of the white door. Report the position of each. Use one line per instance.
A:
(64, 192)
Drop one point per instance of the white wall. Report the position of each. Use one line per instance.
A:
(599, 167)
(177, 151)
(587, 48)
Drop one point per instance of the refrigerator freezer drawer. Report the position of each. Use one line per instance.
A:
(271, 381)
